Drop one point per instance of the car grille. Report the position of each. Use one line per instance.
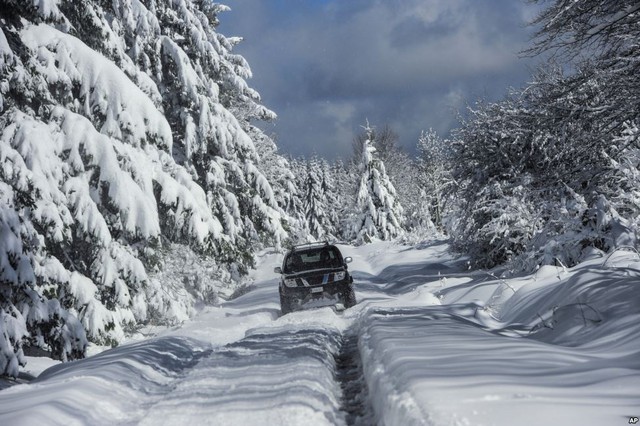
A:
(317, 279)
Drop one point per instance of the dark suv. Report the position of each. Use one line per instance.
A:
(315, 275)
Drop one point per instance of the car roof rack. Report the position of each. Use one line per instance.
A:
(309, 245)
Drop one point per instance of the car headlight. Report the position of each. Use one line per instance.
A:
(290, 282)
(339, 276)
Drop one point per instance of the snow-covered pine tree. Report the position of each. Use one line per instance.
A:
(203, 84)
(314, 201)
(310, 200)
(385, 141)
(295, 208)
(92, 151)
(202, 87)
(280, 172)
(346, 180)
(94, 177)
(401, 170)
(328, 188)
(26, 316)
(378, 212)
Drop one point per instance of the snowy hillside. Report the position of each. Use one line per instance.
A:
(429, 343)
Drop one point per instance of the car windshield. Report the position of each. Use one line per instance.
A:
(316, 258)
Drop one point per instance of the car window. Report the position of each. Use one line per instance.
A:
(316, 258)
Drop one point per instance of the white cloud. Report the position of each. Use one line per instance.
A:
(327, 65)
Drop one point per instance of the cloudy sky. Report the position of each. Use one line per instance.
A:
(326, 66)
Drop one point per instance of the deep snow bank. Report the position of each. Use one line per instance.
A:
(558, 347)
(109, 388)
(274, 376)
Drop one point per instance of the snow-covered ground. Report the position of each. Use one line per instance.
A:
(428, 343)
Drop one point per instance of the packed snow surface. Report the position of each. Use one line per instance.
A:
(429, 343)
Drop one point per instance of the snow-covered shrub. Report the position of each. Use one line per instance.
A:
(622, 189)
(548, 162)
(500, 225)
(571, 229)
(188, 279)
(434, 179)
(424, 186)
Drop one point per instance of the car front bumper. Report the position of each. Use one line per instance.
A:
(312, 295)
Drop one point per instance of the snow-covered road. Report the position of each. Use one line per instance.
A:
(427, 344)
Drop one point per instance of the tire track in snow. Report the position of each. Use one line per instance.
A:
(355, 401)
(276, 375)
(279, 375)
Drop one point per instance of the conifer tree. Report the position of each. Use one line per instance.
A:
(346, 184)
(314, 202)
(125, 129)
(378, 213)
(328, 188)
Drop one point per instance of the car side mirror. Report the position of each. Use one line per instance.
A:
(277, 270)
(348, 259)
